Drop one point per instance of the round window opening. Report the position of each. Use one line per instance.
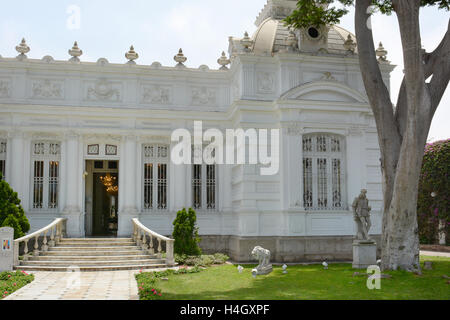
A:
(313, 32)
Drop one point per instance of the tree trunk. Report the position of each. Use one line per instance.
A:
(402, 133)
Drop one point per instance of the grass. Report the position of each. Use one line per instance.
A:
(13, 281)
(305, 282)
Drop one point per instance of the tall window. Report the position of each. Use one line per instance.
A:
(2, 159)
(156, 159)
(45, 160)
(323, 174)
(204, 186)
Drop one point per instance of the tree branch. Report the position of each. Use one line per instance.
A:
(439, 65)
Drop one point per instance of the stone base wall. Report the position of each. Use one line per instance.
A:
(285, 249)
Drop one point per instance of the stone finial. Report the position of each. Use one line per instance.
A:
(349, 44)
(180, 58)
(131, 55)
(381, 52)
(223, 61)
(22, 49)
(246, 42)
(75, 52)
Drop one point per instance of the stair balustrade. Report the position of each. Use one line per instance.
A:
(140, 235)
(57, 230)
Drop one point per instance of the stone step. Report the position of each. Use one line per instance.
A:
(87, 263)
(96, 240)
(91, 258)
(93, 248)
(81, 253)
(97, 268)
(95, 244)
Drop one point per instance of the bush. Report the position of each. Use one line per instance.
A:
(202, 260)
(13, 281)
(433, 202)
(185, 233)
(11, 212)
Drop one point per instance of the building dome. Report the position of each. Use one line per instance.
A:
(270, 37)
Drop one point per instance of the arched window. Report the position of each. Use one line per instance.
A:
(323, 172)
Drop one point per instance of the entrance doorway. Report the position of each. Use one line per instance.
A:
(102, 181)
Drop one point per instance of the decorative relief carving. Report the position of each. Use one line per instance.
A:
(203, 96)
(93, 149)
(266, 82)
(294, 129)
(156, 94)
(328, 76)
(355, 131)
(47, 89)
(103, 90)
(110, 150)
(104, 137)
(5, 88)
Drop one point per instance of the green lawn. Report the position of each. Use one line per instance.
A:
(13, 281)
(305, 282)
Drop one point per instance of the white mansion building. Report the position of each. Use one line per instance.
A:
(86, 141)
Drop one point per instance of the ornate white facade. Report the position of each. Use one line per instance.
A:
(58, 117)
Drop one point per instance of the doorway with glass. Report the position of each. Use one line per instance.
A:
(101, 197)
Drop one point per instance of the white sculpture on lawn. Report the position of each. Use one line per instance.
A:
(263, 256)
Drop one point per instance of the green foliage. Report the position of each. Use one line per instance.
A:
(202, 260)
(320, 12)
(13, 281)
(148, 288)
(11, 212)
(433, 201)
(185, 233)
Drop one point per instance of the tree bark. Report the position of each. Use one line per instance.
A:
(402, 133)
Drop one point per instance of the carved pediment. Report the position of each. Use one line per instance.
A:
(324, 90)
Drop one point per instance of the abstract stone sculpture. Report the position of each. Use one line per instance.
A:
(263, 256)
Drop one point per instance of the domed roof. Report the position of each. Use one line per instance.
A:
(271, 37)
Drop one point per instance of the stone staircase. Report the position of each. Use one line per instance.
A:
(93, 254)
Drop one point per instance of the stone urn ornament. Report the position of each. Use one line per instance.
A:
(22, 49)
(131, 55)
(180, 58)
(76, 53)
(263, 256)
(223, 61)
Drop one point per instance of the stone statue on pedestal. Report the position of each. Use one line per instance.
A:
(263, 256)
(361, 214)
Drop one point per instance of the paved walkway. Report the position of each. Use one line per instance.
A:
(435, 253)
(104, 285)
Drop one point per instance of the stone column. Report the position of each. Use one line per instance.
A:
(129, 176)
(72, 208)
(15, 176)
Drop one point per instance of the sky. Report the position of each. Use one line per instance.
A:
(157, 29)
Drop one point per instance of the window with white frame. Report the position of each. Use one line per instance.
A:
(2, 159)
(156, 161)
(323, 172)
(45, 157)
(204, 186)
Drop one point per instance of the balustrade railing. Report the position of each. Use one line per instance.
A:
(55, 231)
(141, 234)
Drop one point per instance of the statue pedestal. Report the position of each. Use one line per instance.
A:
(262, 269)
(364, 254)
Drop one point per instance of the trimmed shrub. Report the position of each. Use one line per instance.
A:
(433, 201)
(185, 233)
(11, 212)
